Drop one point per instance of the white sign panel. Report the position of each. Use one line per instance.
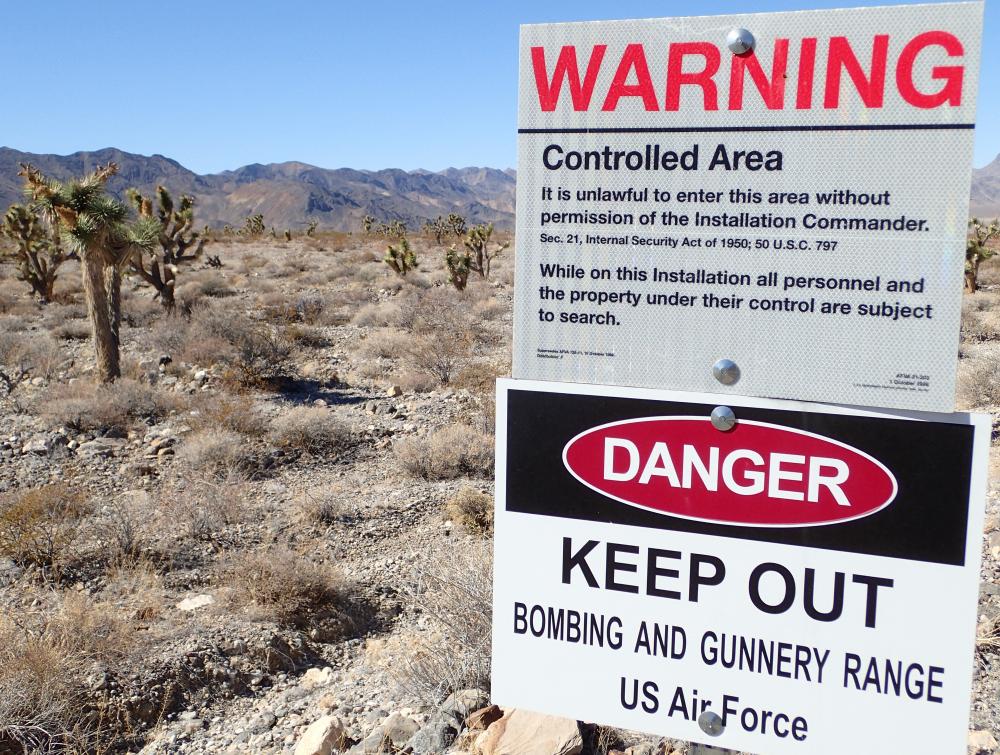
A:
(807, 579)
(799, 209)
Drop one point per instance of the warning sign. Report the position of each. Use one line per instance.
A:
(808, 575)
(788, 191)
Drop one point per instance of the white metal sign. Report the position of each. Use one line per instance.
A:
(788, 191)
(805, 579)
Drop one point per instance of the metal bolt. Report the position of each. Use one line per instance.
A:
(723, 418)
(711, 723)
(739, 41)
(726, 371)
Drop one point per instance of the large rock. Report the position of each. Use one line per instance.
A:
(982, 741)
(520, 732)
(435, 737)
(100, 448)
(460, 704)
(322, 737)
(481, 719)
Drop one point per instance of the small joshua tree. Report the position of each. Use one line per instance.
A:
(254, 226)
(458, 267)
(37, 251)
(977, 250)
(478, 245)
(288, 235)
(177, 243)
(401, 258)
(456, 224)
(311, 228)
(438, 228)
(367, 222)
(95, 227)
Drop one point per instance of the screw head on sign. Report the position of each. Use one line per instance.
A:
(711, 723)
(739, 41)
(723, 418)
(726, 371)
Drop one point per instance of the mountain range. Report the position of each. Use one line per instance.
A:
(292, 194)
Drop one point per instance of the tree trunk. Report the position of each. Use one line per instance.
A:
(113, 281)
(105, 342)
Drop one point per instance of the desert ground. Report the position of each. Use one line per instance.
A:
(273, 532)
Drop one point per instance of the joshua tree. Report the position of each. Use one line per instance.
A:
(38, 251)
(477, 244)
(458, 267)
(311, 228)
(254, 226)
(96, 228)
(176, 241)
(977, 250)
(456, 224)
(438, 228)
(401, 258)
(367, 222)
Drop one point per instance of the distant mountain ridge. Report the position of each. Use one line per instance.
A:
(985, 202)
(292, 194)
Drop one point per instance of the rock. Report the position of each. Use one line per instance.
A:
(398, 729)
(394, 391)
(481, 719)
(164, 359)
(201, 377)
(315, 677)
(434, 737)
(520, 732)
(462, 703)
(262, 722)
(643, 749)
(100, 447)
(38, 444)
(195, 602)
(322, 737)
(9, 572)
(981, 741)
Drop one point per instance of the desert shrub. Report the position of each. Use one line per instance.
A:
(199, 285)
(306, 336)
(45, 705)
(472, 510)
(442, 354)
(24, 353)
(141, 311)
(39, 526)
(235, 413)
(217, 453)
(978, 383)
(113, 407)
(279, 584)
(480, 377)
(385, 344)
(447, 453)
(453, 651)
(980, 317)
(204, 507)
(376, 315)
(310, 428)
(122, 526)
(321, 506)
(72, 330)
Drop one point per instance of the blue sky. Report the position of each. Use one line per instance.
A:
(217, 85)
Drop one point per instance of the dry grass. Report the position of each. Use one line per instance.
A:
(445, 454)
(312, 429)
(472, 510)
(279, 584)
(978, 383)
(235, 413)
(453, 652)
(28, 354)
(116, 407)
(218, 453)
(45, 706)
(40, 526)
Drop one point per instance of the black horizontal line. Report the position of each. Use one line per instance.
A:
(731, 129)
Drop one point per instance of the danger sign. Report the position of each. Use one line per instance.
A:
(686, 186)
(810, 573)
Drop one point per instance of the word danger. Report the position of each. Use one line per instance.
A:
(696, 65)
(757, 474)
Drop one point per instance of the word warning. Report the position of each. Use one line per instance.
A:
(809, 576)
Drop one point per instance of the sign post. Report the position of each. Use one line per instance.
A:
(810, 573)
(786, 191)
(718, 219)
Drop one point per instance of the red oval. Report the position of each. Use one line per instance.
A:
(763, 475)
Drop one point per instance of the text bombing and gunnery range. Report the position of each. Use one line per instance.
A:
(289, 465)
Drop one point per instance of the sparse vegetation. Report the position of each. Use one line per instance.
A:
(37, 252)
(473, 510)
(979, 248)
